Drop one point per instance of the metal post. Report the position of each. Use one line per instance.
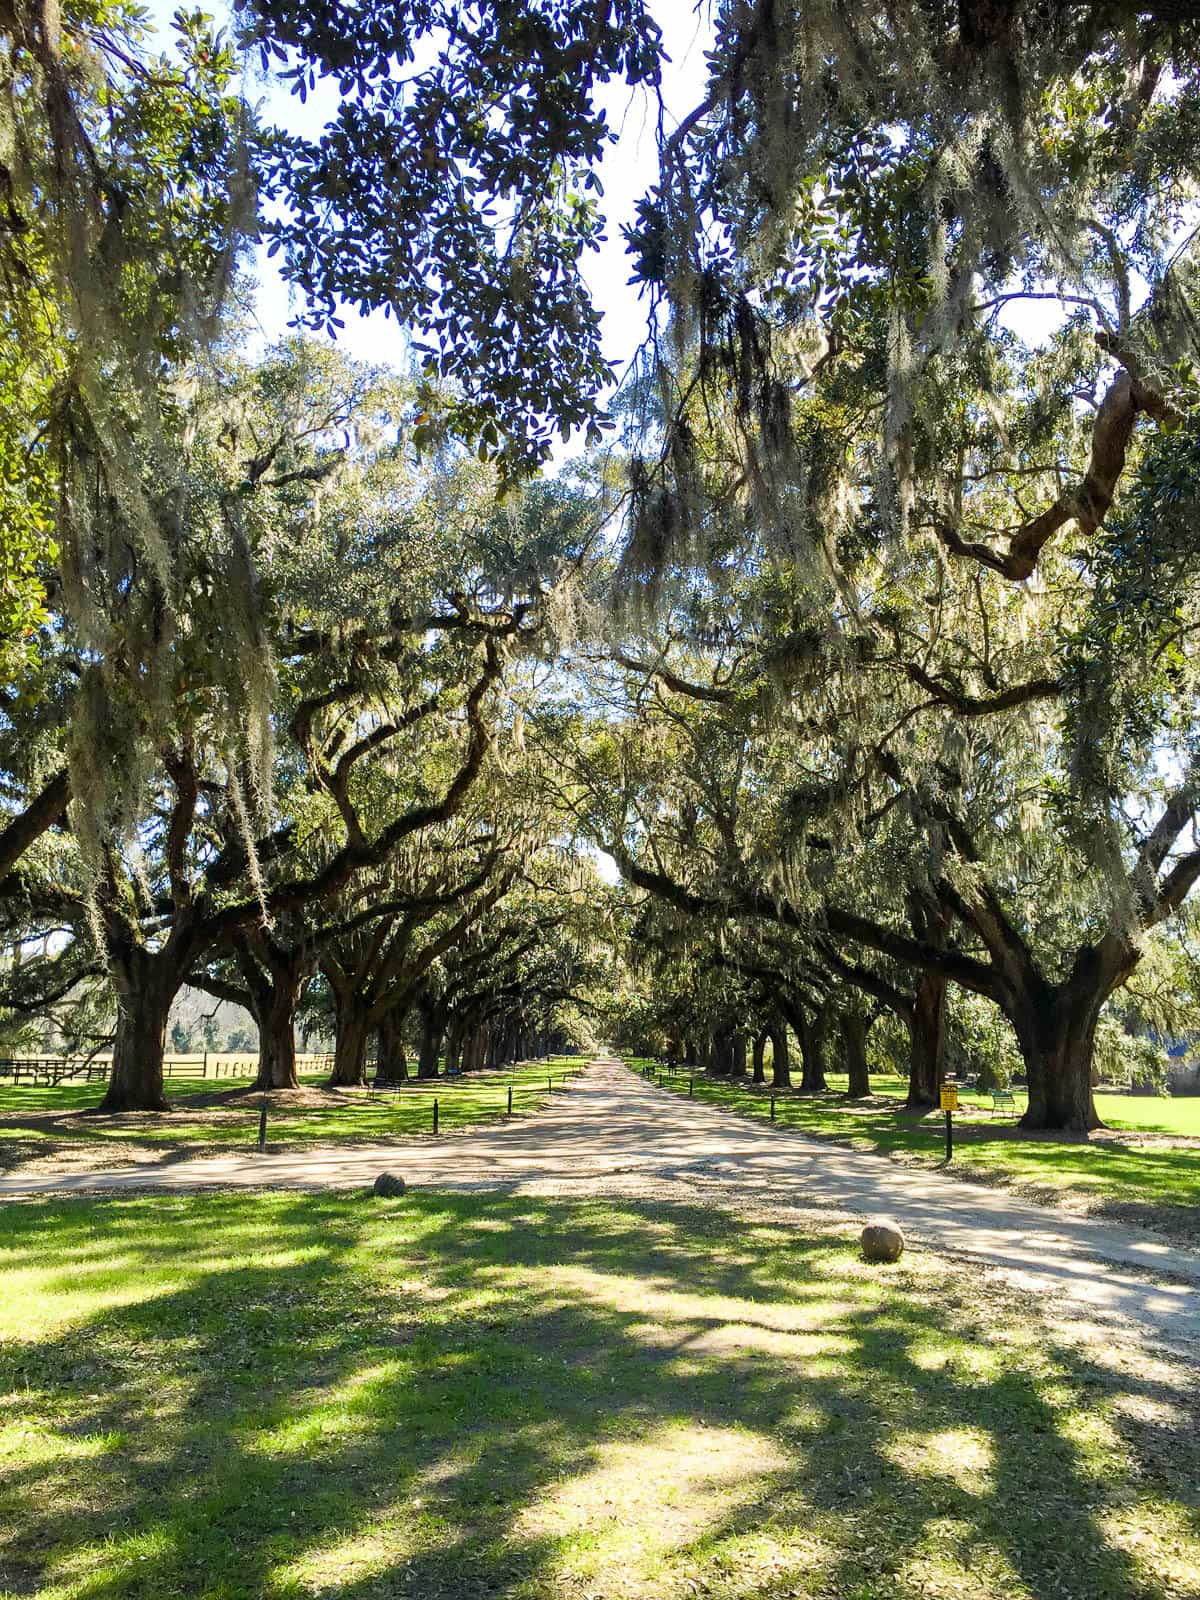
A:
(772, 1108)
(549, 1085)
(510, 1099)
(691, 1088)
(262, 1126)
(435, 1114)
(949, 1099)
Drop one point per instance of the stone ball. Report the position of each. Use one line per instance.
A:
(882, 1240)
(389, 1184)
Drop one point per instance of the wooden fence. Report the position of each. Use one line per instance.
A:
(46, 1071)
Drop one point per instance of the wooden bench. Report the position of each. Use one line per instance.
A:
(1002, 1100)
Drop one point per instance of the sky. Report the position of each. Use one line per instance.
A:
(626, 174)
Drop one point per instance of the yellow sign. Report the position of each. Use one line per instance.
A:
(949, 1097)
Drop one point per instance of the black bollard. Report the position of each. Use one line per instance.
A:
(435, 1114)
(510, 1099)
(772, 1108)
(262, 1127)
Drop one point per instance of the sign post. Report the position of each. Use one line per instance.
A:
(949, 1100)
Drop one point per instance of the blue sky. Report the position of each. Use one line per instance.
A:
(627, 172)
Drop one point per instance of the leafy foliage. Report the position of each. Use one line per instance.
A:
(455, 189)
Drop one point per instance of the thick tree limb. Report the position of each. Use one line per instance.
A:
(659, 670)
(42, 812)
(966, 705)
(1086, 504)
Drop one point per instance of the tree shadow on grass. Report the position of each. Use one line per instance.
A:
(463, 1396)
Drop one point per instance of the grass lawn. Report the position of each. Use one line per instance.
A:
(37, 1121)
(247, 1396)
(1145, 1180)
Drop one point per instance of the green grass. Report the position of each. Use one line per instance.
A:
(341, 1117)
(1148, 1182)
(254, 1397)
(1133, 1112)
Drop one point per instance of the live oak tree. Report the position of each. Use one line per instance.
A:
(933, 801)
(843, 386)
(359, 670)
(864, 200)
(128, 199)
(455, 187)
(526, 976)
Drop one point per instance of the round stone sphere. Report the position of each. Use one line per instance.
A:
(389, 1184)
(882, 1240)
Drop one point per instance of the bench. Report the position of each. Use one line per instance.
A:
(1002, 1100)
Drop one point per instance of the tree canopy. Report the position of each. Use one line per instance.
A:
(865, 649)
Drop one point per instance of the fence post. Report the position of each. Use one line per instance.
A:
(204, 1068)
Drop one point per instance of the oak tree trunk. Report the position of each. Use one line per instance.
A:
(392, 1062)
(276, 1019)
(854, 1027)
(781, 1069)
(813, 1029)
(1056, 1029)
(454, 1044)
(352, 1033)
(737, 1056)
(759, 1074)
(145, 990)
(927, 1041)
(431, 1043)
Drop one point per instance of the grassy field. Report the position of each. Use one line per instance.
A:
(1138, 1177)
(218, 1116)
(239, 1397)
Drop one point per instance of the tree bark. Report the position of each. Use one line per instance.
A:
(927, 1041)
(737, 1056)
(1057, 1045)
(1056, 1029)
(392, 1064)
(145, 986)
(352, 1033)
(812, 1031)
(760, 1047)
(277, 1040)
(781, 1071)
(475, 1051)
(854, 1027)
(722, 1054)
(274, 984)
(431, 1042)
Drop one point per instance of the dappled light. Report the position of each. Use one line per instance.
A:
(497, 1394)
(600, 800)
(1127, 1176)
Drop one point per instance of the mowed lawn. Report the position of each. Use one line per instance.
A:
(241, 1396)
(1140, 1176)
(224, 1114)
